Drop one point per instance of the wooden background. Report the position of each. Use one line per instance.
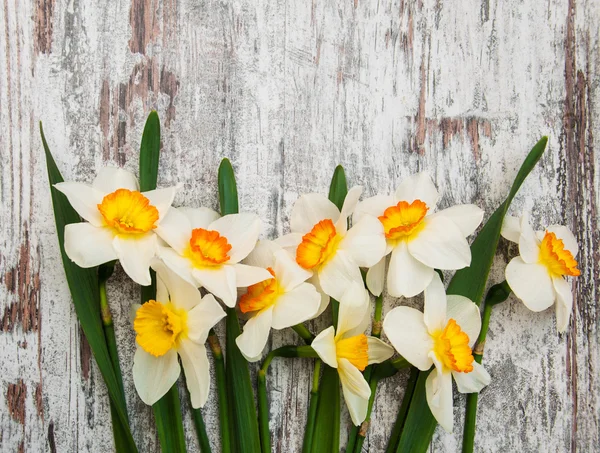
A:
(287, 89)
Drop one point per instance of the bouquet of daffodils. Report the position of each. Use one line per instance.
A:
(198, 267)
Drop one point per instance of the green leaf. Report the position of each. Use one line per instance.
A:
(83, 284)
(469, 282)
(241, 396)
(326, 435)
(338, 189)
(167, 411)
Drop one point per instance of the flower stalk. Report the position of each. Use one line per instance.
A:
(219, 362)
(312, 409)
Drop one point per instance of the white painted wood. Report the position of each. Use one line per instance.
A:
(288, 89)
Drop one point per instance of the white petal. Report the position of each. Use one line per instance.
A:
(562, 232)
(221, 281)
(110, 179)
(200, 217)
(314, 280)
(175, 230)
(350, 202)
(441, 245)
(296, 306)
(89, 246)
(564, 303)
(438, 389)
(511, 229)
(365, 242)
(161, 199)
(177, 263)
(376, 277)
(84, 199)
(364, 324)
(434, 310)
(406, 330)
(135, 255)
(289, 274)
(182, 293)
(197, 374)
(249, 275)
(204, 317)
(324, 346)
(309, 210)
(162, 293)
(289, 242)
(263, 254)
(530, 283)
(467, 217)
(337, 274)
(379, 351)
(354, 307)
(466, 314)
(241, 231)
(418, 187)
(529, 245)
(472, 382)
(154, 376)
(254, 338)
(374, 206)
(407, 276)
(133, 312)
(356, 391)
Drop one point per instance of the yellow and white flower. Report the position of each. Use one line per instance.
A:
(122, 221)
(419, 239)
(537, 275)
(321, 242)
(176, 323)
(207, 249)
(282, 301)
(350, 351)
(443, 336)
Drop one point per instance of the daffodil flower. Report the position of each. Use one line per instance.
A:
(418, 238)
(443, 336)
(176, 323)
(321, 242)
(350, 351)
(207, 249)
(282, 301)
(537, 275)
(121, 222)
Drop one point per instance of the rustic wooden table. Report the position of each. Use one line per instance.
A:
(287, 89)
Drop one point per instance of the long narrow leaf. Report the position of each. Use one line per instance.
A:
(83, 284)
(469, 282)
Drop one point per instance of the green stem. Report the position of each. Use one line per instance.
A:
(224, 421)
(403, 411)
(376, 328)
(362, 433)
(201, 431)
(497, 294)
(304, 333)
(312, 409)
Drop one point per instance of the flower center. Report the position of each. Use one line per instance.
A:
(208, 248)
(261, 295)
(318, 245)
(403, 220)
(451, 346)
(556, 258)
(355, 350)
(128, 212)
(159, 327)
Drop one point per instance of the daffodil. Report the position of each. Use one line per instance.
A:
(282, 301)
(418, 238)
(350, 351)
(121, 222)
(177, 323)
(443, 336)
(537, 275)
(206, 249)
(321, 242)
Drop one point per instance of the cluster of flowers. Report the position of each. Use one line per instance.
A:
(287, 281)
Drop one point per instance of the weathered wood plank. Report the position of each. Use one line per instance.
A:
(288, 90)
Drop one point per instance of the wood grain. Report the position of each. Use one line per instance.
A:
(287, 90)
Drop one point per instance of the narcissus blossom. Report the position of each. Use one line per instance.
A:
(418, 238)
(443, 336)
(322, 244)
(122, 221)
(350, 351)
(537, 275)
(207, 249)
(282, 301)
(176, 323)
